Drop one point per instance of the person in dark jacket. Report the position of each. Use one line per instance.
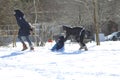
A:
(59, 46)
(24, 29)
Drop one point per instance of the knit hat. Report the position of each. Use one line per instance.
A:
(19, 13)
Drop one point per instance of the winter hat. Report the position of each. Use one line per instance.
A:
(19, 13)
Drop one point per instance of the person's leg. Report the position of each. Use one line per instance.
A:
(54, 47)
(62, 49)
(29, 42)
(24, 45)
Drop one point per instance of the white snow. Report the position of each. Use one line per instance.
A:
(98, 63)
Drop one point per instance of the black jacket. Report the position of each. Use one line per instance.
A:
(60, 43)
(25, 28)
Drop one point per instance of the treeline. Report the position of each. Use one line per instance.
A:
(64, 12)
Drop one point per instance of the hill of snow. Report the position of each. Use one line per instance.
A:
(98, 63)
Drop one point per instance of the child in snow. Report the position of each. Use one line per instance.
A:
(59, 46)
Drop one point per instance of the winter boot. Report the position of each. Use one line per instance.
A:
(24, 47)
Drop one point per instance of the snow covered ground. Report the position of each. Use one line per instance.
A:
(98, 63)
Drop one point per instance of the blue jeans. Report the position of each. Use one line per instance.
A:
(27, 38)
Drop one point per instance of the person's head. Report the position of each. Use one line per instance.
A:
(18, 13)
(61, 37)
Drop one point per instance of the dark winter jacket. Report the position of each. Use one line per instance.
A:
(59, 44)
(25, 28)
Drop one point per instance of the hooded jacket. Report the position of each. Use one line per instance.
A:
(59, 45)
(25, 28)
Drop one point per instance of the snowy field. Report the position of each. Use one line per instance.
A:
(98, 63)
